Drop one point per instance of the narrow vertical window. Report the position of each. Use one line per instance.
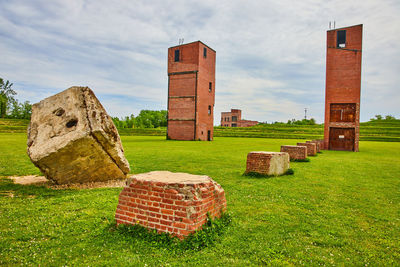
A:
(204, 52)
(210, 87)
(341, 39)
(176, 55)
(209, 110)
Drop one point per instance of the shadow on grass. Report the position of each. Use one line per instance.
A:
(259, 175)
(8, 187)
(300, 160)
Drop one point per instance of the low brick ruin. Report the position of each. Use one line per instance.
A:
(317, 146)
(71, 139)
(295, 152)
(311, 148)
(321, 143)
(175, 203)
(267, 163)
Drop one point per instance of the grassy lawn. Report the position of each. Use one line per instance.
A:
(341, 208)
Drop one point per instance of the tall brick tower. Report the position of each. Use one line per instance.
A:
(191, 92)
(342, 89)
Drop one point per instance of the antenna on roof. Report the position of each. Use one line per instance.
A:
(329, 25)
(181, 41)
(334, 24)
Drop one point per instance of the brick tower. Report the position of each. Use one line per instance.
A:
(191, 92)
(342, 89)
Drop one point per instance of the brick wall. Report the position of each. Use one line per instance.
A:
(247, 123)
(176, 207)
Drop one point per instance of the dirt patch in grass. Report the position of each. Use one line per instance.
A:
(41, 180)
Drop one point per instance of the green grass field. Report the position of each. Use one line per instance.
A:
(341, 208)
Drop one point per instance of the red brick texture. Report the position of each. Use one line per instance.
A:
(311, 148)
(316, 145)
(191, 92)
(295, 152)
(343, 86)
(177, 207)
(321, 143)
(267, 163)
(226, 119)
(247, 123)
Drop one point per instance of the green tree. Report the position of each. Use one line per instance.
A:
(20, 110)
(389, 117)
(6, 97)
(26, 110)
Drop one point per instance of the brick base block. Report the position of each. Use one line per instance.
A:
(175, 203)
(317, 145)
(311, 148)
(295, 152)
(267, 163)
(321, 143)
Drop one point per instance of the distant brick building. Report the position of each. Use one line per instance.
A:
(191, 92)
(234, 119)
(343, 86)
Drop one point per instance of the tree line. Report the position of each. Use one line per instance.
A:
(145, 119)
(10, 107)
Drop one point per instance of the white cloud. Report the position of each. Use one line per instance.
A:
(270, 54)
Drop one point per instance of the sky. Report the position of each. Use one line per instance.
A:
(270, 62)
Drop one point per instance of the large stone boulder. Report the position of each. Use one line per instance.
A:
(71, 139)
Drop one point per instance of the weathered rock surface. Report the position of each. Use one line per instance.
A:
(267, 163)
(71, 139)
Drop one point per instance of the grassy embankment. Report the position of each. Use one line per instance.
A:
(341, 208)
(388, 131)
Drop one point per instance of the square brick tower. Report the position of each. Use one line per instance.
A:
(191, 92)
(343, 87)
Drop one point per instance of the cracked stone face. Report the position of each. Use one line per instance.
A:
(71, 139)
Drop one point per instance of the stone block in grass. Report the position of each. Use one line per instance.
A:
(175, 203)
(267, 163)
(317, 145)
(295, 152)
(311, 148)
